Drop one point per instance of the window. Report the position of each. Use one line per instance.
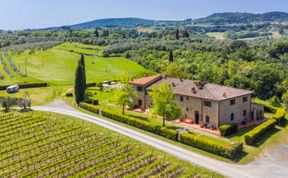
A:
(207, 103)
(181, 98)
(232, 102)
(232, 117)
(244, 113)
(207, 119)
(139, 89)
(245, 99)
(187, 97)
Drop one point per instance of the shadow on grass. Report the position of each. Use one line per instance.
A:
(240, 156)
(242, 132)
(266, 136)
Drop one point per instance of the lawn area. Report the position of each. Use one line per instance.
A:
(217, 35)
(39, 96)
(57, 65)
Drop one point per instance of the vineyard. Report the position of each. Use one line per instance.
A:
(39, 144)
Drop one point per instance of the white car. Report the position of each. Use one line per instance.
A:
(12, 89)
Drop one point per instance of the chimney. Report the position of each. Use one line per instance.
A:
(224, 95)
(173, 84)
(194, 90)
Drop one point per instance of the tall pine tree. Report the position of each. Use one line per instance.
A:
(96, 33)
(177, 34)
(171, 57)
(82, 61)
(79, 87)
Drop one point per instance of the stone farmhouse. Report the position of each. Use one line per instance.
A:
(203, 103)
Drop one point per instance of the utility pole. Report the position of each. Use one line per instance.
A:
(26, 67)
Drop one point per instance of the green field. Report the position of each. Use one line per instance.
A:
(48, 145)
(57, 65)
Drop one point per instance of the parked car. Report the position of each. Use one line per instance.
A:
(12, 89)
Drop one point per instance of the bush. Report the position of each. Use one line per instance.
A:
(252, 136)
(211, 145)
(69, 94)
(91, 84)
(206, 143)
(227, 130)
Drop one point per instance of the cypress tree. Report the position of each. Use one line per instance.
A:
(171, 57)
(78, 85)
(82, 61)
(96, 33)
(177, 34)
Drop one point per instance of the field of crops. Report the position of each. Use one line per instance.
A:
(39, 144)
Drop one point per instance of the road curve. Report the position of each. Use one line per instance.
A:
(226, 169)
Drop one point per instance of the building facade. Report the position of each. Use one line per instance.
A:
(201, 102)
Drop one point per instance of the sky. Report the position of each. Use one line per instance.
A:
(24, 14)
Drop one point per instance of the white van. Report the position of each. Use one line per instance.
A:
(12, 89)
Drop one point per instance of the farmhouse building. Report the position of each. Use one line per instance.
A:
(201, 102)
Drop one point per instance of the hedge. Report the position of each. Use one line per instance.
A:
(279, 116)
(226, 130)
(150, 127)
(27, 85)
(279, 113)
(206, 143)
(252, 136)
(210, 145)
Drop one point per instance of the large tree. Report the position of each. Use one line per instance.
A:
(80, 83)
(163, 103)
(125, 96)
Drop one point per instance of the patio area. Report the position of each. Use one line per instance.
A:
(188, 124)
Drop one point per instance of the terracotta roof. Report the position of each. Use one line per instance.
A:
(146, 80)
(208, 91)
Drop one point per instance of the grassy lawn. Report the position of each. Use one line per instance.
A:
(217, 35)
(39, 96)
(57, 65)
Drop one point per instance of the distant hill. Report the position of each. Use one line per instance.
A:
(115, 22)
(237, 17)
(214, 19)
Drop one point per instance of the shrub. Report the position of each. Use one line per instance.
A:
(252, 136)
(91, 84)
(211, 145)
(227, 130)
(206, 143)
(69, 94)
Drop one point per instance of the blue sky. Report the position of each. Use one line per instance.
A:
(22, 14)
